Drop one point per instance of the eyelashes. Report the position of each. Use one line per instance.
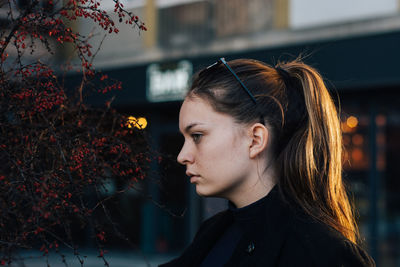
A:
(196, 137)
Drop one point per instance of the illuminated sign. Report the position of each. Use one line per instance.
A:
(168, 82)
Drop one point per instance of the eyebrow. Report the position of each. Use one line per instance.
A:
(191, 125)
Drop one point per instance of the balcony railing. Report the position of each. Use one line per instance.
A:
(201, 22)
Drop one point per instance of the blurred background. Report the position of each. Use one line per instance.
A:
(354, 44)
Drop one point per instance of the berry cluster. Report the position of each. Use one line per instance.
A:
(56, 152)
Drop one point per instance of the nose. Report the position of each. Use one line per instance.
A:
(185, 156)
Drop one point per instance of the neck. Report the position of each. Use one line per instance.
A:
(253, 193)
(255, 186)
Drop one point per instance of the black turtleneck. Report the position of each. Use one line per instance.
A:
(242, 220)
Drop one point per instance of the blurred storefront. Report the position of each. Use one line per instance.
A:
(356, 50)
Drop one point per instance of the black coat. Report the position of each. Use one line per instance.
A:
(280, 236)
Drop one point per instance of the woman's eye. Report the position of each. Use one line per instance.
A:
(196, 137)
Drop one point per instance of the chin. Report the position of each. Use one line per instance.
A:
(203, 192)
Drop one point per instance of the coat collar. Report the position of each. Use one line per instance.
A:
(260, 244)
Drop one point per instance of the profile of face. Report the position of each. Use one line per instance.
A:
(215, 151)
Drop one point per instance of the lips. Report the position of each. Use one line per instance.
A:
(193, 177)
(191, 174)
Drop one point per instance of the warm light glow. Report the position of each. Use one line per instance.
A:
(357, 154)
(346, 128)
(352, 122)
(131, 122)
(358, 139)
(139, 123)
(380, 120)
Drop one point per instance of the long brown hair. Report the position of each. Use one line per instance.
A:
(293, 101)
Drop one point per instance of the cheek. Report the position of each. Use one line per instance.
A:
(223, 154)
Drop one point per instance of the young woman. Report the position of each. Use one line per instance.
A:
(267, 139)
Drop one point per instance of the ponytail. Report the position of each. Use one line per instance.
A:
(310, 164)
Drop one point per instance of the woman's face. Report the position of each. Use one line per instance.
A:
(216, 150)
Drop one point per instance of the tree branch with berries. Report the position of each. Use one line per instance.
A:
(57, 153)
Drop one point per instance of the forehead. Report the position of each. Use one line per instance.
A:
(197, 111)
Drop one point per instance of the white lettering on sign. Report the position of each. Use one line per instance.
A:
(169, 84)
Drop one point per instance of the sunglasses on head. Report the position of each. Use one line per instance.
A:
(222, 61)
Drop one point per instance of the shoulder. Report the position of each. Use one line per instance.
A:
(321, 245)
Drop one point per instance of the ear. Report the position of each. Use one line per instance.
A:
(259, 136)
